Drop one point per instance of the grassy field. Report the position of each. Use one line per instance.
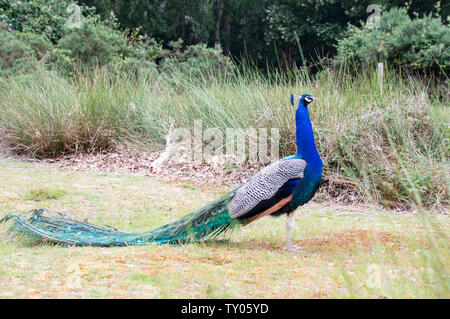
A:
(346, 252)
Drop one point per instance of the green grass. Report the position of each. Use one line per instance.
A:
(357, 125)
(40, 194)
(347, 252)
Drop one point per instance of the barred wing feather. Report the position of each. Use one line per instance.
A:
(264, 185)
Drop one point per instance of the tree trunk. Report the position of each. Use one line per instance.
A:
(226, 48)
(220, 9)
(286, 59)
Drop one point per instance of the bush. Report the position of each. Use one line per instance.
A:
(34, 25)
(37, 16)
(390, 143)
(421, 44)
(22, 52)
(136, 68)
(96, 44)
(93, 44)
(140, 55)
(196, 61)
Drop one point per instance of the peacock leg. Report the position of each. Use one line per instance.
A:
(290, 223)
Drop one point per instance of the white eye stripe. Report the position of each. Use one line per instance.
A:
(308, 99)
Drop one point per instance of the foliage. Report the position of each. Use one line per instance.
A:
(135, 67)
(265, 32)
(37, 16)
(196, 61)
(93, 44)
(22, 52)
(144, 47)
(164, 20)
(278, 33)
(73, 115)
(192, 20)
(418, 44)
(312, 25)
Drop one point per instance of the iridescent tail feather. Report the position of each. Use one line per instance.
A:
(205, 223)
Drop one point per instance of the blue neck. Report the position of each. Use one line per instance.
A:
(306, 147)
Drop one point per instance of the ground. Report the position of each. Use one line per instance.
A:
(346, 251)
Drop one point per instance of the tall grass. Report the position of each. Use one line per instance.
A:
(45, 115)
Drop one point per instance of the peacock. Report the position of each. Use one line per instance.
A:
(277, 189)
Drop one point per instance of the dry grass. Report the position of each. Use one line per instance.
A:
(344, 249)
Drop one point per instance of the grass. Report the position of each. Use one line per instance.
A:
(347, 252)
(356, 124)
(40, 194)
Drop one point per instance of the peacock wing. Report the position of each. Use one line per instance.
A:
(266, 188)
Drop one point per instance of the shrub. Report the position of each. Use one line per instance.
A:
(38, 16)
(140, 55)
(93, 44)
(196, 61)
(21, 52)
(421, 44)
(143, 47)
(136, 68)
(391, 142)
(96, 44)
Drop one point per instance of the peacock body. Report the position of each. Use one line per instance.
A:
(275, 190)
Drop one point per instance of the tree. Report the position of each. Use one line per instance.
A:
(37, 16)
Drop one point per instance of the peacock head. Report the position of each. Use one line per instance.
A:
(305, 99)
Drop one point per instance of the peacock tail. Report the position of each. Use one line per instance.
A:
(205, 223)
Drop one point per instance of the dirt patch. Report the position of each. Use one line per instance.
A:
(343, 240)
(140, 163)
(348, 238)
